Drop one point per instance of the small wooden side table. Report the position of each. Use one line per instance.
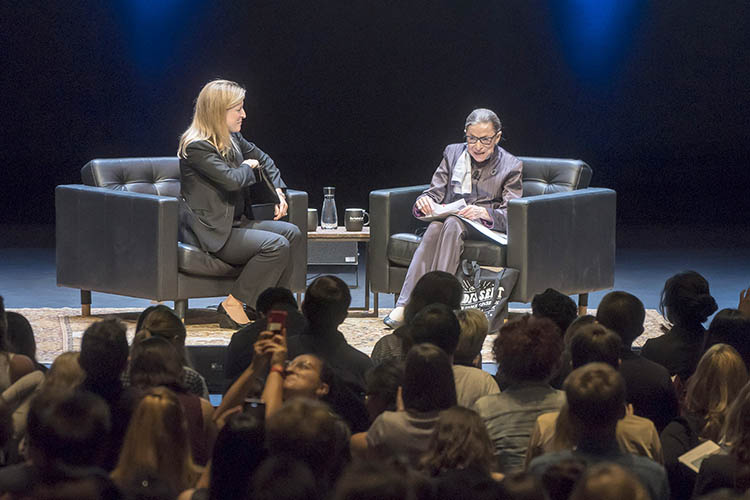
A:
(341, 234)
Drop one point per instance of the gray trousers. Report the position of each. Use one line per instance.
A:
(268, 250)
(439, 250)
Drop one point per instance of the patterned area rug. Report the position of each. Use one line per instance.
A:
(60, 330)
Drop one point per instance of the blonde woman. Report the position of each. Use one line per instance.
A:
(216, 165)
(157, 442)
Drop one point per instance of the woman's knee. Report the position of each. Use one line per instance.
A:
(277, 244)
(453, 227)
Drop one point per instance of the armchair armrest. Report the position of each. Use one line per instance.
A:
(565, 241)
(297, 212)
(116, 241)
(390, 213)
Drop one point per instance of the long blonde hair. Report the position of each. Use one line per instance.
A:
(717, 381)
(157, 441)
(210, 116)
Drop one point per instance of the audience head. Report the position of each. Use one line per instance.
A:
(435, 287)
(428, 380)
(162, 322)
(521, 486)
(104, 350)
(623, 313)
(436, 324)
(737, 422)
(20, 335)
(157, 441)
(560, 478)
(383, 382)
(474, 328)
(595, 343)
(306, 376)
(326, 303)
(558, 307)
(730, 327)
(686, 299)
(528, 349)
(273, 297)
(375, 480)
(459, 441)
(154, 361)
(238, 451)
(575, 326)
(595, 395)
(65, 373)
(284, 478)
(611, 481)
(67, 427)
(717, 380)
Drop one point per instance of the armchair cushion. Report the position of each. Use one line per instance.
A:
(193, 260)
(401, 248)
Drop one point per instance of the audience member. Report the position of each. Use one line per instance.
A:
(437, 324)
(21, 338)
(609, 481)
(474, 328)
(65, 443)
(435, 287)
(376, 480)
(528, 351)
(162, 322)
(565, 363)
(730, 470)
(559, 479)
(157, 442)
(596, 401)
(325, 307)
(383, 382)
(730, 327)
(558, 307)
(155, 362)
(520, 486)
(283, 478)
(428, 388)
(12, 366)
(104, 356)
(687, 303)
(634, 434)
(649, 386)
(720, 375)
(240, 350)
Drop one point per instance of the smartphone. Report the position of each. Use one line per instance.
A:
(276, 321)
(255, 407)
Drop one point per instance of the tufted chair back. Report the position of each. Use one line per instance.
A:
(159, 176)
(553, 175)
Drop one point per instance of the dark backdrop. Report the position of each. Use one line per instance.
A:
(365, 94)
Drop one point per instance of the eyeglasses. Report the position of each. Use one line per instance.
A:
(485, 141)
(301, 364)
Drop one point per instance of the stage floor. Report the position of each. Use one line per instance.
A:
(646, 257)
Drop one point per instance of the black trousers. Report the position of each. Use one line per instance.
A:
(268, 250)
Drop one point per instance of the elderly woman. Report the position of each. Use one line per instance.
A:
(477, 171)
(216, 165)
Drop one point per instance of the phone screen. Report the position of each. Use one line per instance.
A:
(255, 407)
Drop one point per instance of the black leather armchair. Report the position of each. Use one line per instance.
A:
(118, 233)
(561, 234)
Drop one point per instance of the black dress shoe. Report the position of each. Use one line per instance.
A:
(392, 323)
(226, 322)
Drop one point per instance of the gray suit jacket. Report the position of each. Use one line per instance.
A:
(500, 181)
(211, 188)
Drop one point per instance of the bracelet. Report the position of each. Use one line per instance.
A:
(278, 369)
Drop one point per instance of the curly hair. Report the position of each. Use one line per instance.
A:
(528, 348)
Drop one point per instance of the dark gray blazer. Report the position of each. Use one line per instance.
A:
(211, 188)
(499, 182)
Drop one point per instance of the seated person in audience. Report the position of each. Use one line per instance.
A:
(560, 479)
(521, 485)
(65, 444)
(325, 307)
(437, 324)
(428, 388)
(561, 309)
(21, 338)
(595, 343)
(306, 430)
(158, 442)
(686, 302)
(161, 321)
(609, 481)
(103, 357)
(383, 382)
(730, 470)
(155, 362)
(379, 480)
(596, 401)
(474, 328)
(284, 478)
(435, 287)
(460, 453)
(240, 350)
(730, 327)
(650, 388)
(12, 366)
(528, 351)
(711, 390)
